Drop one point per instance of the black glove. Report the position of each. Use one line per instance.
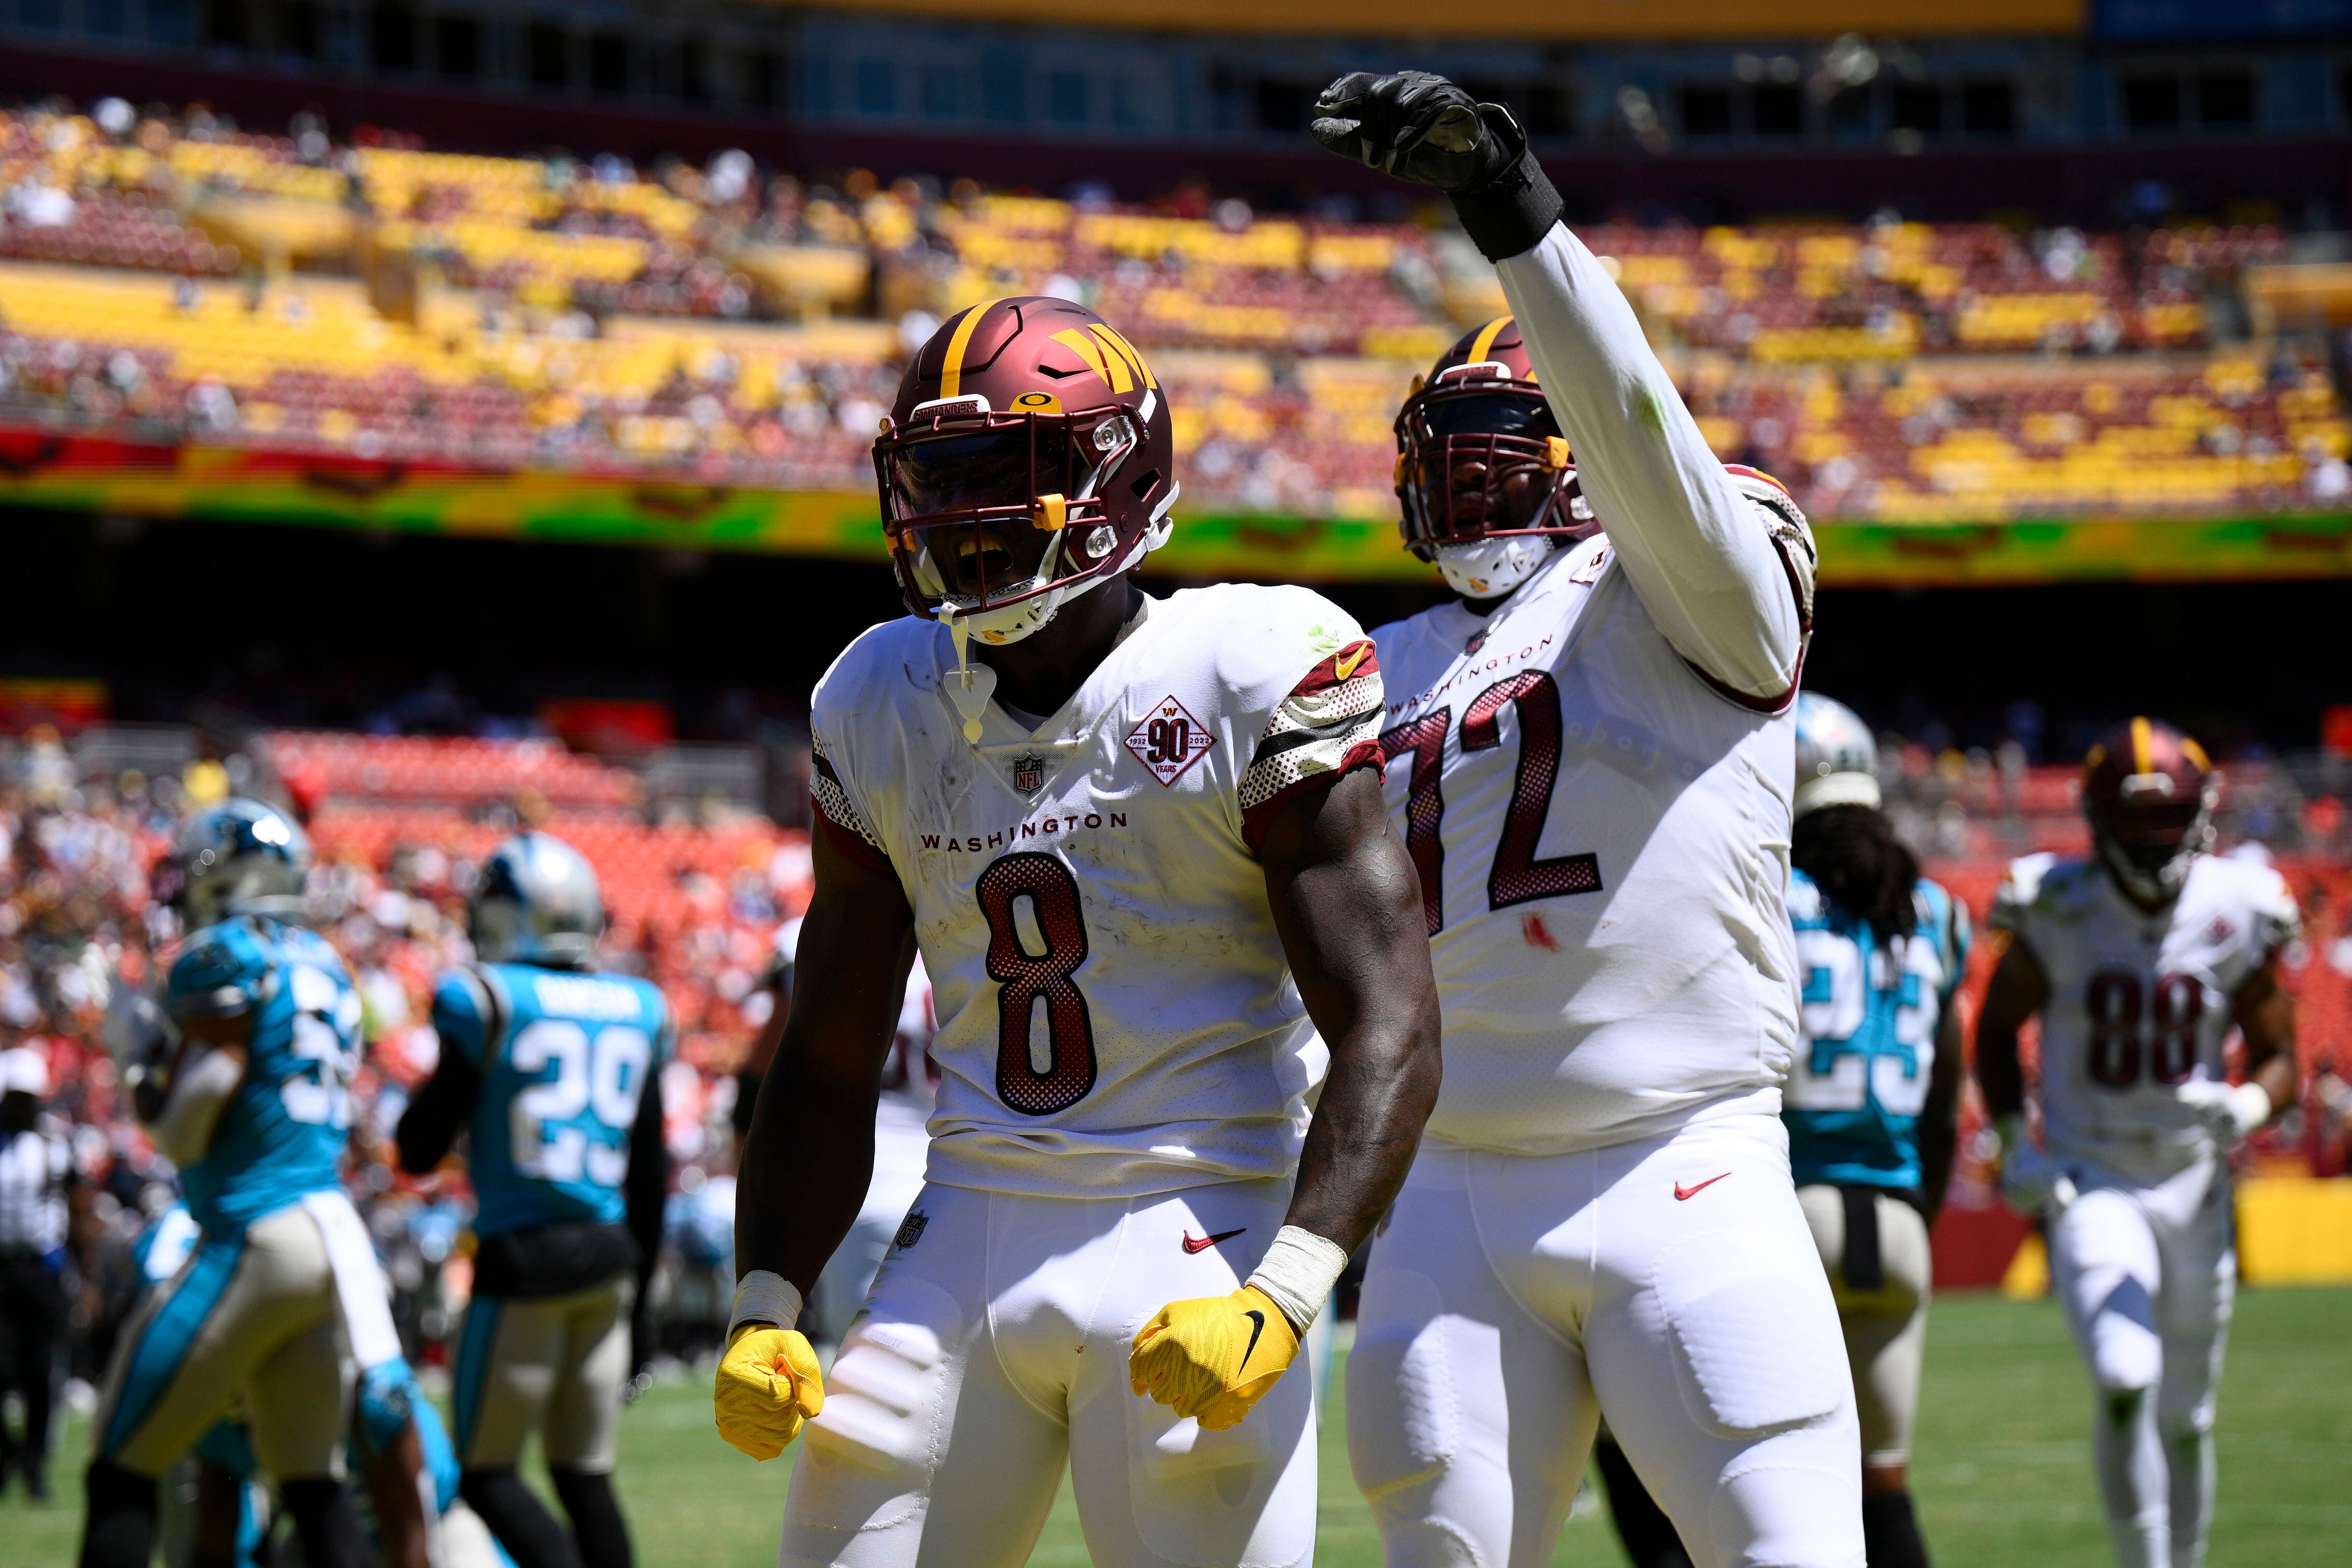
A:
(1425, 129)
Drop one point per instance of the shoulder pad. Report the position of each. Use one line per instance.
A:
(2020, 889)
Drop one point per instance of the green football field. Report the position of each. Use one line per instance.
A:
(2001, 1472)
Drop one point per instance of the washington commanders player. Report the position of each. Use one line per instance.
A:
(1142, 848)
(2140, 959)
(1592, 755)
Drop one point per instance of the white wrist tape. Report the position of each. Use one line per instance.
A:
(762, 1297)
(2250, 1107)
(1298, 1273)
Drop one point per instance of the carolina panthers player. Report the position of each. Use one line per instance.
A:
(2140, 959)
(1140, 847)
(555, 1072)
(1874, 1096)
(254, 1109)
(1593, 756)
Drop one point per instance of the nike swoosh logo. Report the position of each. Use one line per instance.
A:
(1684, 1194)
(1203, 1243)
(1257, 1327)
(1346, 666)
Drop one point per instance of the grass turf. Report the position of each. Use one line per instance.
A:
(2001, 1467)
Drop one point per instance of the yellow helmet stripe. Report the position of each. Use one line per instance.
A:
(2143, 761)
(2195, 753)
(1087, 349)
(1485, 342)
(1126, 351)
(952, 371)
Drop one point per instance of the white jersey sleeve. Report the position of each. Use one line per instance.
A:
(1723, 558)
(2139, 1003)
(1115, 1011)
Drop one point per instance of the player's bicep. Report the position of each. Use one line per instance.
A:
(1345, 899)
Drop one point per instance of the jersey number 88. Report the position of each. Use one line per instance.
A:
(2117, 1001)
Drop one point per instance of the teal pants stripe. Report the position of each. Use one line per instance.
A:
(168, 1335)
(474, 1365)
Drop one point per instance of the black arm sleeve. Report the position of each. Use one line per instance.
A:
(428, 1128)
(648, 1184)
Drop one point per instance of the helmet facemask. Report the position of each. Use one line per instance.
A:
(1480, 461)
(2150, 836)
(997, 518)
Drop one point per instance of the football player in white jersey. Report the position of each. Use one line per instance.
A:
(1142, 848)
(1592, 753)
(2140, 960)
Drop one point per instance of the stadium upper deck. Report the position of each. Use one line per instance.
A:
(387, 310)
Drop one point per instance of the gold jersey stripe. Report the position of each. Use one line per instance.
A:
(951, 372)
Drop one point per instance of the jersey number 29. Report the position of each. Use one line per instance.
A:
(602, 1077)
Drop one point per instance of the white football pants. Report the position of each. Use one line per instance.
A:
(1670, 1283)
(2148, 1276)
(993, 1349)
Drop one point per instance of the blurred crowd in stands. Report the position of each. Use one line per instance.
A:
(693, 906)
(367, 299)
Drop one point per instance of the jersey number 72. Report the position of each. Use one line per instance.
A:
(1517, 877)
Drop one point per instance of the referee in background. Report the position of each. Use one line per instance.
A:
(37, 1174)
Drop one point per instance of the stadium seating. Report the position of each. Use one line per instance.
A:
(506, 314)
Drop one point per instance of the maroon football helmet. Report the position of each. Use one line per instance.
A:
(2149, 792)
(1029, 457)
(1479, 455)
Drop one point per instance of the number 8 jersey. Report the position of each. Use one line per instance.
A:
(1116, 1016)
(2139, 1004)
(564, 1058)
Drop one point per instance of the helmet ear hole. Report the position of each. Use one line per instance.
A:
(1146, 485)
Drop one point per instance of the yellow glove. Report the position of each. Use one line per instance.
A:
(1214, 1356)
(768, 1385)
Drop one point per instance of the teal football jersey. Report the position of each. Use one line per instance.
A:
(281, 1135)
(565, 1058)
(1868, 1042)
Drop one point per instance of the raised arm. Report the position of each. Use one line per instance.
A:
(810, 1152)
(1723, 563)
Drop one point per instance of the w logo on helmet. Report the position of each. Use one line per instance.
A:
(1112, 357)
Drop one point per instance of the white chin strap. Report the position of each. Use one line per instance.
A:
(1492, 567)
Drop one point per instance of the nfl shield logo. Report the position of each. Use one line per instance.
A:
(911, 1230)
(1028, 772)
(1477, 640)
